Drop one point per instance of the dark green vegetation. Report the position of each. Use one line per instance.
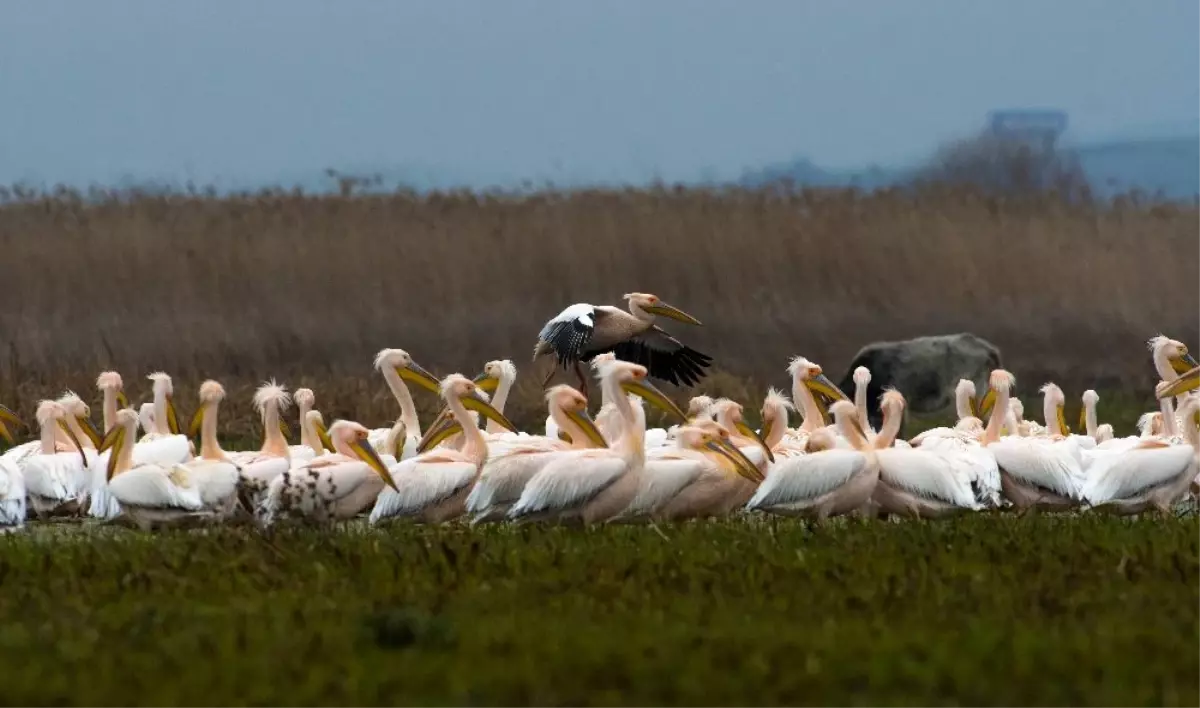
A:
(983, 610)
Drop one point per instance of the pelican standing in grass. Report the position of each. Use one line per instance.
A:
(582, 331)
(504, 476)
(331, 487)
(590, 486)
(213, 473)
(260, 467)
(397, 366)
(433, 486)
(689, 479)
(920, 483)
(55, 480)
(826, 483)
(149, 494)
(1033, 473)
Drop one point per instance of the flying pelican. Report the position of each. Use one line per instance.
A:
(397, 366)
(504, 476)
(259, 468)
(827, 483)
(330, 487)
(1033, 473)
(591, 486)
(149, 494)
(689, 479)
(433, 486)
(55, 480)
(1153, 475)
(213, 473)
(921, 483)
(582, 331)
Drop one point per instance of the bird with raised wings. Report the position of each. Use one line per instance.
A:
(580, 332)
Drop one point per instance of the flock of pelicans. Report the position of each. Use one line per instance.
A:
(610, 468)
(607, 469)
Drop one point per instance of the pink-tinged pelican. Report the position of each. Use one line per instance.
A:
(55, 477)
(822, 484)
(1088, 421)
(591, 486)
(433, 486)
(1034, 473)
(1187, 381)
(582, 331)
(397, 366)
(149, 494)
(309, 446)
(330, 487)
(808, 382)
(110, 386)
(965, 407)
(504, 476)
(212, 472)
(691, 478)
(774, 416)
(261, 467)
(862, 381)
(729, 414)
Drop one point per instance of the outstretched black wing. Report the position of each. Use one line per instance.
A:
(568, 334)
(666, 358)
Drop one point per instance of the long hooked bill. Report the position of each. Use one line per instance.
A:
(113, 440)
(750, 433)
(588, 426)
(85, 424)
(1083, 419)
(197, 421)
(172, 416)
(417, 374)
(7, 418)
(1183, 363)
(973, 406)
(1060, 413)
(438, 433)
(323, 436)
(987, 403)
(486, 382)
(74, 440)
(822, 385)
(122, 400)
(662, 308)
(741, 463)
(1187, 381)
(363, 450)
(649, 392)
(477, 404)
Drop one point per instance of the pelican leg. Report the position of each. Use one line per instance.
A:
(549, 376)
(583, 387)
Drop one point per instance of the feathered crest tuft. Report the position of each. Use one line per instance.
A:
(776, 399)
(391, 357)
(799, 365)
(109, 380)
(271, 394)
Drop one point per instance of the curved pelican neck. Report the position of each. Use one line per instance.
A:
(962, 403)
(631, 442)
(273, 440)
(474, 444)
(999, 415)
(124, 452)
(308, 435)
(498, 401)
(860, 405)
(812, 412)
(210, 448)
(49, 437)
(579, 441)
(109, 408)
(1089, 418)
(408, 409)
(890, 430)
(778, 418)
(160, 411)
(1170, 429)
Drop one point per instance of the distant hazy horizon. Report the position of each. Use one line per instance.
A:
(479, 93)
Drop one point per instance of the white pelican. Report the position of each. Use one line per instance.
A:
(12, 481)
(56, 480)
(309, 446)
(862, 380)
(1153, 475)
(314, 436)
(1087, 418)
(691, 479)
(922, 483)
(397, 366)
(965, 406)
(591, 486)
(1033, 472)
(149, 494)
(110, 385)
(1187, 381)
(330, 487)
(582, 331)
(166, 444)
(504, 476)
(1171, 358)
(1053, 407)
(825, 483)
(146, 421)
(260, 467)
(728, 413)
(774, 416)
(213, 472)
(432, 487)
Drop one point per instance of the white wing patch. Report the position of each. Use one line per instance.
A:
(420, 485)
(805, 478)
(568, 483)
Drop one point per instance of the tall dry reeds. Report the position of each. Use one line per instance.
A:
(307, 288)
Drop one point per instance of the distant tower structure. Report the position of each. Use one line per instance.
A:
(1037, 128)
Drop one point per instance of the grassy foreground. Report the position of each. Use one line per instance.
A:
(983, 610)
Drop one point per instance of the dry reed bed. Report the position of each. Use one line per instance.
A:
(308, 288)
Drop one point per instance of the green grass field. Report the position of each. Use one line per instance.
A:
(990, 609)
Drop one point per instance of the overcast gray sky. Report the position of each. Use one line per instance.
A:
(567, 89)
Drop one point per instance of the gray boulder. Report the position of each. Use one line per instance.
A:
(925, 370)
